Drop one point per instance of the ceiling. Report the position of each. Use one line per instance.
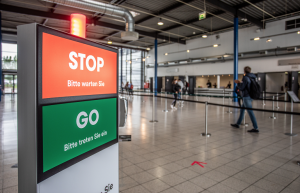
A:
(180, 18)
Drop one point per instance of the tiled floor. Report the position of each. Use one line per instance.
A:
(8, 128)
(159, 157)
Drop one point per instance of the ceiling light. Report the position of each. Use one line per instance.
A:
(164, 40)
(194, 32)
(144, 59)
(148, 56)
(109, 42)
(160, 22)
(166, 54)
(257, 38)
(129, 62)
(269, 40)
(204, 36)
(216, 45)
(136, 59)
(298, 32)
(188, 51)
(148, 49)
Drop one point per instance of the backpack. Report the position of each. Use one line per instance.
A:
(131, 87)
(254, 91)
(187, 84)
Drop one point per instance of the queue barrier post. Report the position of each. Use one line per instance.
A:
(153, 109)
(229, 107)
(166, 103)
(223, 96)
(244, 122)
(263, 99)
(273, 116)
(277, 101)
(285, 98)
(291, 132)
(205, 134)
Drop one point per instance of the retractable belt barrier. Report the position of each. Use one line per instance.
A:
(206, 134)
(217, 104)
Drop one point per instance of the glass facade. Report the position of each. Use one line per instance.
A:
(9, 56)
(131, 67)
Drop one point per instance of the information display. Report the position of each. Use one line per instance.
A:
(71, 68)
(77, 100)
(72, 129)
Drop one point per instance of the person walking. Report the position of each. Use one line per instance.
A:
(208, 84)
(130, 88)
(122, 86)
(215, 85)
(229, 85)
(175, 89)
(245, 87)
(126, 87)
(180, 83)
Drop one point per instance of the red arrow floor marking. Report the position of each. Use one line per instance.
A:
(199, 163)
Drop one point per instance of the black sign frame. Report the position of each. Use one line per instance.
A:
(40, 102)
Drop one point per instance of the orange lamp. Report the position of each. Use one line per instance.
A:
(78, 25)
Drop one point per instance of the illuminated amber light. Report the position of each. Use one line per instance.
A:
(78, 25)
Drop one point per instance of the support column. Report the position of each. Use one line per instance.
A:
(218, 81)
(236, 55)
(130, 65)
(155, 67)
(142, 70)
(121, 67)
(1, 86)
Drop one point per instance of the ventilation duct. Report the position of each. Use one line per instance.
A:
(94, 6)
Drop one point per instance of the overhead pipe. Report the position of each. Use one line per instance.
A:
(98, 7)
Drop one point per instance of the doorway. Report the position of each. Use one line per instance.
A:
(10, 84)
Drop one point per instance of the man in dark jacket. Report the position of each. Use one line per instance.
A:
(176, 89)
(244, 86)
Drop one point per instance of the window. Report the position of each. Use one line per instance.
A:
(132, 68)
(9, 56)
(292, 24)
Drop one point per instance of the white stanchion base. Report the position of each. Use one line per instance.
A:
(246, 124)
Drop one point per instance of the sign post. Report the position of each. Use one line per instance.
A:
(67, 113)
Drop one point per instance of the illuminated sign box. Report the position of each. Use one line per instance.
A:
(71, 68)
(77, 100)
(72, 129)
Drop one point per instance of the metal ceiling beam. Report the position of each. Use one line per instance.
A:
(245, 4)
(221, 5)
(193, 21)
(51, 11)
(33, 12)
(110, 35)
(163, 11)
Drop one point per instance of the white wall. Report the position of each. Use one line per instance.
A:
(268, 64)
